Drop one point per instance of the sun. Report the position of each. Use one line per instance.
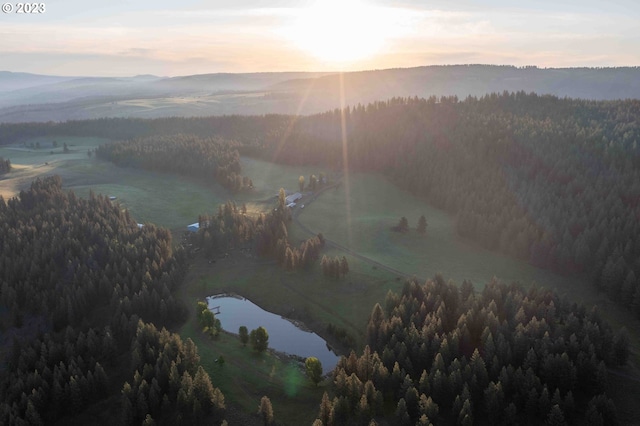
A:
(340, 31)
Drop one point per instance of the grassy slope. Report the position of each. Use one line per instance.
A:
(374, 205)
(27, 163)
(361, 215)
(167, 200)
(246, 376)
(303, 295)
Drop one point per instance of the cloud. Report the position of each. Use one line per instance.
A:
(246, 36)
(137, 51)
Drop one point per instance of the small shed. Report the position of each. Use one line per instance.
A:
(293, 197)
(194, 227)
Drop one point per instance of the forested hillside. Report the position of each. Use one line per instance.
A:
(290, 93)
(248, 130)
(552, 181)
(556, 182)
(78, 281)
(441, 354)
(208, 159)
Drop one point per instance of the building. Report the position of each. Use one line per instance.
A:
(291, 205)
(293, 197)
(194, 227)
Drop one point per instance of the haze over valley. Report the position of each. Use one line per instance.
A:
(27, 97)
(320, 213)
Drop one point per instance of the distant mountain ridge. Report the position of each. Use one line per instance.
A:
(32, 97)
(22, 80)
(478, 80)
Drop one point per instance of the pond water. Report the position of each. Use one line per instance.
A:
(284, 336)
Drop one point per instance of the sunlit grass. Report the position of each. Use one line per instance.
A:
(376, 205)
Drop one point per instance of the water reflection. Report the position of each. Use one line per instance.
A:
(284, 336)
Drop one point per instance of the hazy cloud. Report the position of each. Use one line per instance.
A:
(247, 36)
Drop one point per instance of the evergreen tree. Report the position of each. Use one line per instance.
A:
(244, 335)
(259, 339)
(402, 415)
(422, 225)
(403, 225)
(344, 266)
(556, 417)
(266, 411)
(620, 348)
(324, 415)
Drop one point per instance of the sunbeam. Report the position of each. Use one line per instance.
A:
(345, 161)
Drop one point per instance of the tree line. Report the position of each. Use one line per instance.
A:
(5, 166)
(265, 233)
(552, 181)
(403, 225)
(443, 354)
(210, 158)
(555, 182)
(245, 129)
(78, 281)
(169, 385)
(335, 267)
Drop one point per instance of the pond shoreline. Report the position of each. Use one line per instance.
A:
(299, 324)
(294, 341)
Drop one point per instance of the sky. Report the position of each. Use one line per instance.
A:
(169, 38)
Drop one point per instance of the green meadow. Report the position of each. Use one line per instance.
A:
(358, 214)
(246, 376)
(302, 295)
(166, 200)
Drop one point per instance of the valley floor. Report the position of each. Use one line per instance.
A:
(355, 219)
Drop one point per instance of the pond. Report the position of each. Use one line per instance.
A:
(284, 336)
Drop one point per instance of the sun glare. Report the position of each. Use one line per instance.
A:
(340, 31)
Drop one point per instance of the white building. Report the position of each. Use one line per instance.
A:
(293, 197)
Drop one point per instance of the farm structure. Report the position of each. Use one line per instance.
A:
(293, 197)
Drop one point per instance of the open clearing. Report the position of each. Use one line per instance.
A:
(268, 178)
(301, 295)
(359, 218)
(38, 157)
(188, 105)
(246, 376)
(166, 200)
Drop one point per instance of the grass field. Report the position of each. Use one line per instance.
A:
(185, 106)
(246, 376)
(170, 201)
(268, 178)
(167, 200)
(359, 216)
(43, 159)
(306, 296)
